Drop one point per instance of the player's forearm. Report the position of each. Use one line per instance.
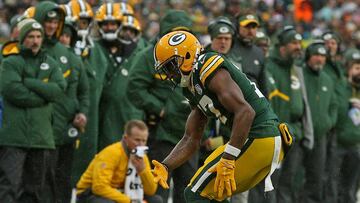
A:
(240, 129)
(181, 152)
(190, 142)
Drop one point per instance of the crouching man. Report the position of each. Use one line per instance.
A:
(121, 172)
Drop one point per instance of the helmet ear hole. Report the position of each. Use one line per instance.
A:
(187, 55)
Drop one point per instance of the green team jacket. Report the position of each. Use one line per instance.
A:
(115, 107)
(348, 132)
(265, 121)
(286, 99)
(322, 100)
(76, 96)
(29, 85)
(336, 72)
(149, 93)
(75, 99)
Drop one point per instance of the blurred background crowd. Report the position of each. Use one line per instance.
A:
(311, 18)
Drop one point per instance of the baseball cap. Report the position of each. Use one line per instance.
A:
(245, 20)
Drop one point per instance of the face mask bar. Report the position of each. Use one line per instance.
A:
(170, 69)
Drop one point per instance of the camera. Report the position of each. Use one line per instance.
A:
(140, 151)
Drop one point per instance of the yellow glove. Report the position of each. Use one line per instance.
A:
(225, 178)
(160, 173)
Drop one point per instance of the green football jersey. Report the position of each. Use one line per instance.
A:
(265, 121)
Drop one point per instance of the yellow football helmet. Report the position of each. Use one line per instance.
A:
(76, 9)
(130, 30)
(126, 9)
(109, 11)
(175, 54)
(29, 12)
(132, 22)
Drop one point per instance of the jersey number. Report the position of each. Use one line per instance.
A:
(257, 91)
(206, 103)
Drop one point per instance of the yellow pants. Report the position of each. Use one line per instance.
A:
(252, 166)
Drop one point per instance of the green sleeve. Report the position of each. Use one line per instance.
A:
(83, 90)
(13, 89)
(333, 111)
(51, 91)
(140, 80)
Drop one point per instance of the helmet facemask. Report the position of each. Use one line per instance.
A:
(170, 69)
(109, 36)
(84, 26)
(127, 38)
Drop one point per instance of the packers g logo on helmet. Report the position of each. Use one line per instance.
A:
(177, 39)
(175, 54)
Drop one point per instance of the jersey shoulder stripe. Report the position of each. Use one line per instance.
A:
(209, 66)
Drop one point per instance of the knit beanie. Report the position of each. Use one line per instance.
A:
(27, 25)
(220, 25)
(331, 35)
(315, 48)
(15, 20)
(175, 20)
(287, 35)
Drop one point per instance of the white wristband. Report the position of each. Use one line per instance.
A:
(232, 150)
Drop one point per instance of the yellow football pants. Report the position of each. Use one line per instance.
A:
(258, 156)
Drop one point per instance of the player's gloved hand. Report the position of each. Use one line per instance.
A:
(225, 178)
(160, 173)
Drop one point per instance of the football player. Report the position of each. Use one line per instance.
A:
(217, 88)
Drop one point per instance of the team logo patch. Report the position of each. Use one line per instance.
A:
(295, 83)
(177, 39)
(124, 72)
(36, 25)
(250, 17)
(51, 14)
(118, 59)
(44, 66)
(328, 36)
(356, 56)
(224, 30)
(198, 89)
(260, 34)
(322, 50)
(63, 59)
(298, 37)
(324, 88)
